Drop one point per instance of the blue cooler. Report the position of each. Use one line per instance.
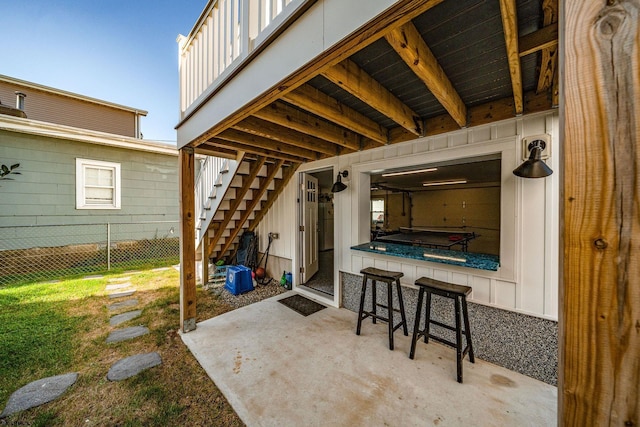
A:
(238, 279)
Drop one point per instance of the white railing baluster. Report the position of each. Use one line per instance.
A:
(225, 36)
(216, 40)
(237, 29)
(227, 24)
(252, 14)
(245, 28)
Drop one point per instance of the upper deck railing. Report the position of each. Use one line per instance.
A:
(224, 36)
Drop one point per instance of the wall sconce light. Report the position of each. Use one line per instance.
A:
(338, 186)
(534, 166)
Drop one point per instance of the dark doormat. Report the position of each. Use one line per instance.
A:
(302, 305)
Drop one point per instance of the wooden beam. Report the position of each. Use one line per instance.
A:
(263, 128)
(358, 83)
(493, 111)
(413, 50)
(223, 152)
(314, 101)
(235, 203)
(549, 56)
(555, 89)
(510, 27)
(398, 14)
(187, 239)
(255, 200)
(257, 141)
(599, 330)
(215, 144)
(282, 114)
(544, 38)
(504, 108)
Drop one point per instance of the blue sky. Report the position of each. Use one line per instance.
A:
(121, 51)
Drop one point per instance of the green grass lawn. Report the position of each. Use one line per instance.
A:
(36, 332)
(54, 328)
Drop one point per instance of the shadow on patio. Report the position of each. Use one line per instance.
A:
(279, 368)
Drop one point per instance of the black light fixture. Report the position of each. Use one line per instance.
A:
(534, 166)
(338, 186)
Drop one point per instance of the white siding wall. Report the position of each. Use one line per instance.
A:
(281, 219)
(527, 280)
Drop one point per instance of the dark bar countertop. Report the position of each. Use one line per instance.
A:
(463, 259)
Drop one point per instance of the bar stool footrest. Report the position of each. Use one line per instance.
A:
(366, 314)
(443, 341)
(386, 307)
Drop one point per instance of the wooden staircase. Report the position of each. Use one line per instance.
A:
(254, 187)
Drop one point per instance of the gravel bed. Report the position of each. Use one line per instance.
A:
(260, 292)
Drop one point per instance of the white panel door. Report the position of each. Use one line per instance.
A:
(311, 230)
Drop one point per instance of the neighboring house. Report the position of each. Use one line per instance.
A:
(292, 91)
(83, 168)
(56, 106)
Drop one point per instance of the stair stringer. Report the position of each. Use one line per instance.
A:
(215, 195)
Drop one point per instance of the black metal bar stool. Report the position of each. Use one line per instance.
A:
(376, 275)
(459, 294)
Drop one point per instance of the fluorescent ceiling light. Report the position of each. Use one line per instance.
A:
(409, 172)
(432, 183)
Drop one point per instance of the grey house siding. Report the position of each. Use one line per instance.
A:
(44, 193)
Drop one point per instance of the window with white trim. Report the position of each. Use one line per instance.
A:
(377, 212)
(97, 184)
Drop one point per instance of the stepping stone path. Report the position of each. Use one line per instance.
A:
(127, 333)
(121, 294)
(133, 365)
(47, 389)
(38, 392)
(124, 317)
(122, 304)
(113, 287)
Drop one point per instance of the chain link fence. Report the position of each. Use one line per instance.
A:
(49, 252)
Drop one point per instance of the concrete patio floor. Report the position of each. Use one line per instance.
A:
(279, 368)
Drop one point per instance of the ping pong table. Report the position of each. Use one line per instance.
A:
(445, 238)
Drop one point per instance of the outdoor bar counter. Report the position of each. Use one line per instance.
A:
(443, 256)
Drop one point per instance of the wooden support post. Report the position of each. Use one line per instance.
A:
(187, 240)
(600, 292)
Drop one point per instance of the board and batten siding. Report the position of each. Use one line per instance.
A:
(527, 281)
(45, 192)
(65, 110)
